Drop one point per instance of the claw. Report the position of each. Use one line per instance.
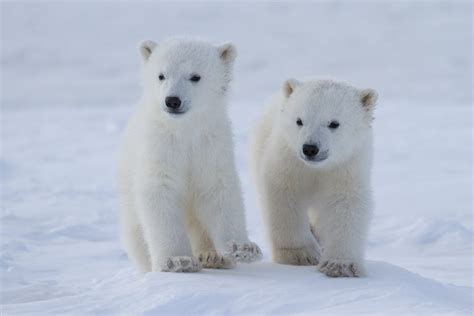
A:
(247, 252)
(213, 260)
(182, 264)
(341, 269)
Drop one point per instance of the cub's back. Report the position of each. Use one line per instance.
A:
(260, 135)
(128, 148)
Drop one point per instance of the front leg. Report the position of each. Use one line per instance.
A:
(343, 228)
(219, 203)
(221, 211)
(288, 228)
(161, 215)
(222, 215)
(203, 247)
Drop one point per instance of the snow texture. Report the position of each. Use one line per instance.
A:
(70, 77)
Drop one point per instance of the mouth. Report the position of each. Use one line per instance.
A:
(175, 112)
(314, 160)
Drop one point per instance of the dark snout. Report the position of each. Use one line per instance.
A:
(310, 150)
(173, 103)
(312, 153)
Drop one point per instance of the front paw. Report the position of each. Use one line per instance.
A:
(213, 260)
(181, 264)
(296, 256)
(244, 252)
(341, 268)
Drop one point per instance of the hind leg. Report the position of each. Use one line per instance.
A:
(135, 245)
(203, 247)
(131, 232)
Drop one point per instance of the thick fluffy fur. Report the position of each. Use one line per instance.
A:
(182, 207)
(325, 201)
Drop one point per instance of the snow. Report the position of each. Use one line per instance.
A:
(70, 77)
(264, 288)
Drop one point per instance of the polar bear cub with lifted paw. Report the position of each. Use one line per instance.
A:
(311, 155)
(182, 207)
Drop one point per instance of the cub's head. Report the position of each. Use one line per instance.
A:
(325, 121)
(186, 76)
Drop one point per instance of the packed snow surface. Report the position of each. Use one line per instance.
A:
(69, 81)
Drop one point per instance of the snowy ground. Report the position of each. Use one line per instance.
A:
(70, 77)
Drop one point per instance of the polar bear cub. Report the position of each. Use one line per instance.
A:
(182, 206)
(311, 156)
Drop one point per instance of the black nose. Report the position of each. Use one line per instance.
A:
(310, 150)
(173, 102)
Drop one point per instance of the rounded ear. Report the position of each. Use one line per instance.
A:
(227, 52)
(146, 48)
(289, 86)
(368, 98)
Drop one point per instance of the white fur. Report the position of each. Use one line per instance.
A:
(332, 197)
(181, 200)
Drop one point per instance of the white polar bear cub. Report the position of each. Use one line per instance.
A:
(311, 155)
(182, 206)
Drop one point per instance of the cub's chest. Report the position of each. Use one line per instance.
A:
(206, 149)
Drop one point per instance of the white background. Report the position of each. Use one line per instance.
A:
(70, 77)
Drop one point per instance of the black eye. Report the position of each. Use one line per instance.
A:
(299, 122)
(195, 78)
(161, 77)
(333, 125)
